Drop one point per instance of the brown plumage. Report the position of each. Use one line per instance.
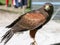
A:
(32, 21)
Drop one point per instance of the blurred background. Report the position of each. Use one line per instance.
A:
(31, 5)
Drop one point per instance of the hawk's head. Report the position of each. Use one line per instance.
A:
(48, 7)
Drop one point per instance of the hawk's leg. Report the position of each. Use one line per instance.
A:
(32, 34)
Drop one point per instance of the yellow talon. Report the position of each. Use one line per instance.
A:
(34, 43)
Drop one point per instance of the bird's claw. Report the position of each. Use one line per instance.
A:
(33, 43)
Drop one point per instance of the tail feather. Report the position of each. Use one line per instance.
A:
(4, 36)
(8, 35)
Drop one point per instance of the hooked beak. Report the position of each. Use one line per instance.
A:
(47, 7)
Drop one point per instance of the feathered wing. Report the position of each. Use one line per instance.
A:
(14, 22)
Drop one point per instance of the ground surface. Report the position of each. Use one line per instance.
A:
(6, 17)
(49, 34)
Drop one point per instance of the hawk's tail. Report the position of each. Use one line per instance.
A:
(7, 36)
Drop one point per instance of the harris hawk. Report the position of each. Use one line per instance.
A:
(31, 21)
